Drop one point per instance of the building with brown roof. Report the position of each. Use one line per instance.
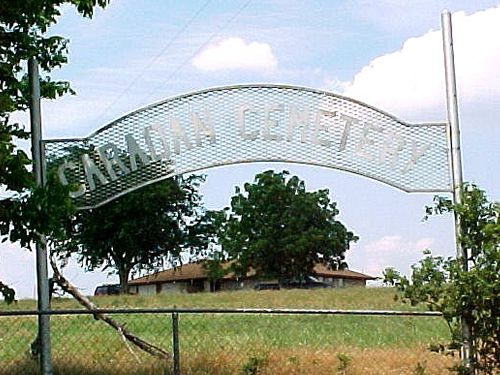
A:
(193, 277)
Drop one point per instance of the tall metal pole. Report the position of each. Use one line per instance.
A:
(41, 248)
(456, 161)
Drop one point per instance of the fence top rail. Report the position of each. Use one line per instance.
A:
(221, 311)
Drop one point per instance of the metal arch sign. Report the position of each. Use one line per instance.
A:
(251, 123)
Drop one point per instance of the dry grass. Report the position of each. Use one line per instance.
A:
(303, 361)
(296, 361)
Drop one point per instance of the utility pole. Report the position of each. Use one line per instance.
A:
(456, 164)
(41, 246)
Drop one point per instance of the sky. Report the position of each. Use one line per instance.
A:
(386, 53)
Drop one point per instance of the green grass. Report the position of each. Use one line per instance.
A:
(85, 340)
(346, 298)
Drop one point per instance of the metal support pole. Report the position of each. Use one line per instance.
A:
(175, 344)
(41, 247)
(456, 161)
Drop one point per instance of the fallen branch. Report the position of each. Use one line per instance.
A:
(129, 347)
(88, 304)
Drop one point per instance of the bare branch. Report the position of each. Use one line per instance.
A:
(120, 328)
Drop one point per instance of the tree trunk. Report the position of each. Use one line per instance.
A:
(124, 273)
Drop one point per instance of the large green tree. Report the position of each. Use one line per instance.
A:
(474, 294)
(281, 230)
(142, 230)
(23, 27)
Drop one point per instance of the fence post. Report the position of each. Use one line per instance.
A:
(175, 344)
(43, 300)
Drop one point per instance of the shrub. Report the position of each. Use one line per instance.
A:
(468, 289)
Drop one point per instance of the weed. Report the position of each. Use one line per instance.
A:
(253, 365)
(293, 359)
(344, 360)
(420, 368)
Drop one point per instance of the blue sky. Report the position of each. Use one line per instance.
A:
(386, 53)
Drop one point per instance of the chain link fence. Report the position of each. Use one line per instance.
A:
(230, 341)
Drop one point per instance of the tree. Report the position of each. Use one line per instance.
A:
(140, 230)
(23, 25)
(443, 284)
(279, 229)
(214, 267)
(27, 211)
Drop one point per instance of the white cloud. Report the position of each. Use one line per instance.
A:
(411, 80)
(387, 251)
(235, 54)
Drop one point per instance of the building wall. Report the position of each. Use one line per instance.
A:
(194, 286)
(187, 286)
(206, 286)
(172, 287)
(152, 289)
(146, 290)
(341, 283)
(249, 283)
(231, 285)
(354, 282)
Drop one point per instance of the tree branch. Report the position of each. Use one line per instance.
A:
(120, 328)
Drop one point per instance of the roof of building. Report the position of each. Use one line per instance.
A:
(196, 271)
(189, 271)
(322, 270)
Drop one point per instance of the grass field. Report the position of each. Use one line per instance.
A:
(238, 344)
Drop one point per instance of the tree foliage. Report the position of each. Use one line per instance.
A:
(23, 27)
(214, 267)
(443, 284)
(279, 229)
(140, 230)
